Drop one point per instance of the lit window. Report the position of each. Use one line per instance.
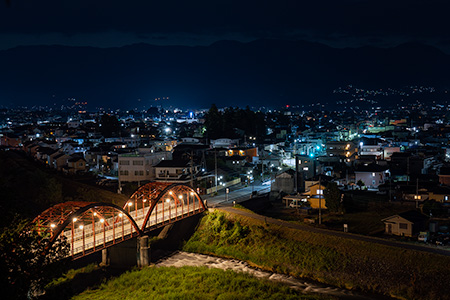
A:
(373, 174)
(319, 192)
(305, 168)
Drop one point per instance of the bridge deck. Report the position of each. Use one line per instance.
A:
(93, 237)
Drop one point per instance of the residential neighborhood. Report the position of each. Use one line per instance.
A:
(404, 161)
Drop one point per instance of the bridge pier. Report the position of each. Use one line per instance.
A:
(105, 257)
(143, 250)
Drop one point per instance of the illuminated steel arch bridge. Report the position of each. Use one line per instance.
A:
(89, 227)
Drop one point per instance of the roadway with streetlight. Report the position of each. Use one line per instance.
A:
(237, 193)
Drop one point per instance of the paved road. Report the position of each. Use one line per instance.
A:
(430, 249)
(237, 193)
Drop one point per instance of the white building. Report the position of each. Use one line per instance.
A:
(140, 167)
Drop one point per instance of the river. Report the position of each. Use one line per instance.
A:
(180, 259)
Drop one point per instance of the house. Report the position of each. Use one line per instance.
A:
(43, 153)
(371, 175)
(315, 195)
(10, 140)
(224, 143)
(76, 164)
(405, 224)
(175, 171)
(59, 161)
(250, 154)
(444, 175)
(285, 182)
(235, 163)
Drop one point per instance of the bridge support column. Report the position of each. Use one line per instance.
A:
(143, 251)
(105, 257)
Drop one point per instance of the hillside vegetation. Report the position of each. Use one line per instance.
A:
(351, 264)
(28, 188)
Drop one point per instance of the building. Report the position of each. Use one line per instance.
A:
(315, 196)
(285, 182)
(346, 151)
(176, 171)
(405, 224)
(135, 167)
(371, 175)
(76, 164)
(250, 154)
(224, 143)
(307, 165)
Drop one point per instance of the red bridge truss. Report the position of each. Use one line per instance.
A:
(89, 227)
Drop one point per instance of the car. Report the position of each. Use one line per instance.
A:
(297, 203)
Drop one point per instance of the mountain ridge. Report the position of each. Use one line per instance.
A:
(259, 73)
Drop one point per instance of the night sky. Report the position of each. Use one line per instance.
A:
(345, 23)
(220, 73)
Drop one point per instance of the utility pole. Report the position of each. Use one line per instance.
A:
(296, 175)
(390, 189)
(417, 197)
(320, 201)
(215, 166)
(192, 168)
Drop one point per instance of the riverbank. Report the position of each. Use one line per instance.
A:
(180, 259)
(191, 283)
(349, 264)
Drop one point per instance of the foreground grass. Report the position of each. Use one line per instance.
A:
(345, 263)
(190, 283)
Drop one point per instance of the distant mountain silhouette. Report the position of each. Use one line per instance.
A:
(258, 73)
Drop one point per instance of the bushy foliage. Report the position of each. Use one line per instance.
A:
(234, 123)
(332, 197)
(26, 265)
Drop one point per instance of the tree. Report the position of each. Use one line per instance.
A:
(214, 123)
(109, 125)
(332, 197)
(24, 269)
(360, 183)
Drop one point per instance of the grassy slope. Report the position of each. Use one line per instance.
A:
(332, 260)
(190, 283)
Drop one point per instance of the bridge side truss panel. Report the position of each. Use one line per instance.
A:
(157, 204)
(89, 228)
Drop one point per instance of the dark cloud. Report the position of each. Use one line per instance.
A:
(335, 22)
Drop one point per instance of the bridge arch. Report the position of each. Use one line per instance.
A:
(171, 200)
(84, 224)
